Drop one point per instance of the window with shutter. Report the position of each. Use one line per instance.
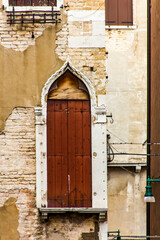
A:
(32, 2)
(119, 12)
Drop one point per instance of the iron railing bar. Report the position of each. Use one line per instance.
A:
(29, 15)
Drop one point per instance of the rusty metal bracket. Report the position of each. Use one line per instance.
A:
(102, 216)
(44, 216)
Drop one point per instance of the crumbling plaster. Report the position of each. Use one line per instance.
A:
(126, 189)
(9, 216)
(23, 73)
(18, 210)
(127, 85)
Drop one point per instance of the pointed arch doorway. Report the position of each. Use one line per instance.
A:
(69, 143)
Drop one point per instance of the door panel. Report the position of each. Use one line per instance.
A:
(69, 153)
(57, 154)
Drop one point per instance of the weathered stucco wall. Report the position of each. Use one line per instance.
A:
(84, 5)
(90, 60)
(126, 209)
(24, 73)
(19, 216)
(126, 98)
(9, 217)
(127, 85)
(18, 170)
(26, 64)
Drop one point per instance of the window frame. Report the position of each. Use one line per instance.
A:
(118, 25)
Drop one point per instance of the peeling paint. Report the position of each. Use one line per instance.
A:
(23, 74)
(9, 216)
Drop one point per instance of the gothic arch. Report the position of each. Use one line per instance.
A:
(67, 66)
(98, 141)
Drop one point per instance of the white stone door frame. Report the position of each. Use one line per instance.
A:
(98, 143)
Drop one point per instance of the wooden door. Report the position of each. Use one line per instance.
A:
(69, 153)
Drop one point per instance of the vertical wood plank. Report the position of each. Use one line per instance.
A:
(86, 128)
(57, 153)
(51, 180)
(64, 163)
(79, 153)
(87, 178)
(71, 153)
(125, 14)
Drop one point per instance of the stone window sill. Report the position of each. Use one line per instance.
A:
(101, 211)
(111, 27)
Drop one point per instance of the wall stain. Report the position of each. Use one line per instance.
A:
(9, 215)
(72, 226)
(23, 74)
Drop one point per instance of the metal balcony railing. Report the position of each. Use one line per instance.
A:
(33, 16)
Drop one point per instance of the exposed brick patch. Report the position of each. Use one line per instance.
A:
(83, 58)
(71, 226)
(17, 36)
(85, 4)
(18, 170)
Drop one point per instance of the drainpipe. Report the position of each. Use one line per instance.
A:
(148, 101)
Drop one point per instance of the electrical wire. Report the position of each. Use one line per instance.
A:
(141, 237)
(109, 149)
(116, 136)
(133, 173)
(115, 149)
(135, 154)
(131, 143)
(135, 237)
(118, 153)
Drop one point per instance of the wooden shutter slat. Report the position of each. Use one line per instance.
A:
(71, 152)
(51, 180)
(111, 12)
(78, 153)
(58, 186)
(79, 121)
(87, 181)
(86, 129)
(125, 15)
(79, 182)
